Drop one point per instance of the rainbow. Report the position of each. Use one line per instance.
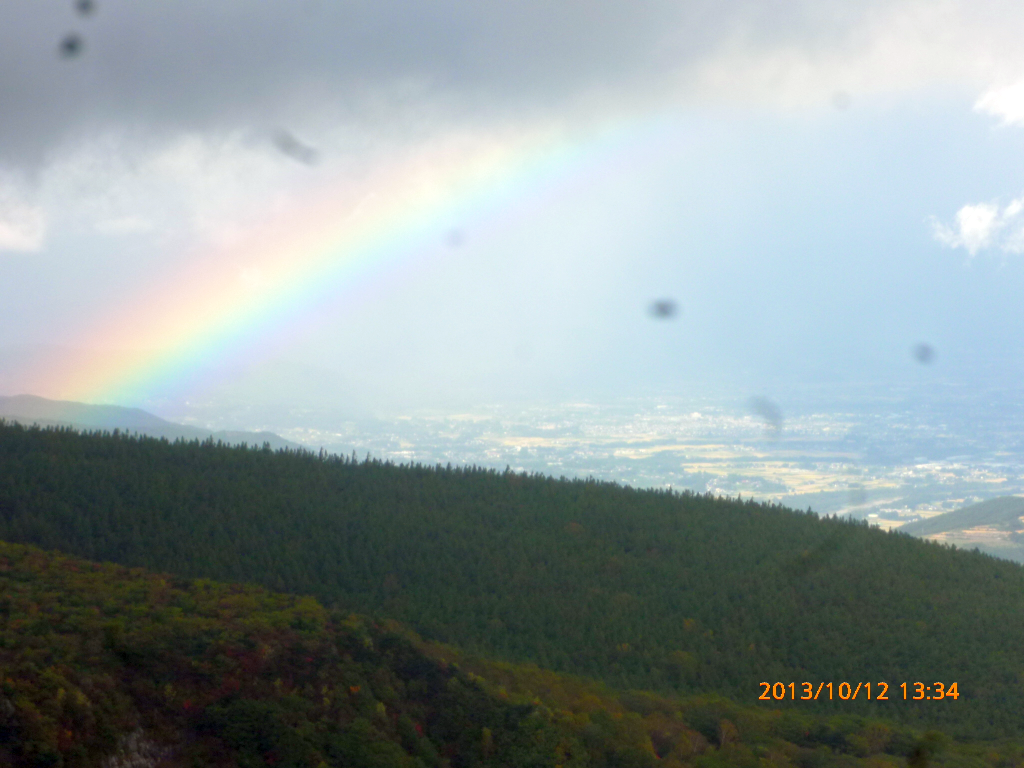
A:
(231, 297)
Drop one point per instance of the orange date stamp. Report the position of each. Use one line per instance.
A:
(867, 691)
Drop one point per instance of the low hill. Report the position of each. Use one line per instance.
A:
(1003, 513)
(101, 665)
(994, 527)
(29, 409)
(105, 666)
(679, 593)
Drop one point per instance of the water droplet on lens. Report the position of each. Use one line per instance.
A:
(663, 309)
(295, 149)
(769, 411)
(924, 353)
(70, 46)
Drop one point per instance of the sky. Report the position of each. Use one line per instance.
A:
(388, 205)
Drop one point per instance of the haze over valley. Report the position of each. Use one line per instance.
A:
(888, 456)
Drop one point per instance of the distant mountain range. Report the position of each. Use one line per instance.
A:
(994, 526)
(29, 409)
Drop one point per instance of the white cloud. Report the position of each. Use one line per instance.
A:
(1005, 102)
(169, 198)
(172, 190)
(984, 225)
(22, 226)
(815, 50)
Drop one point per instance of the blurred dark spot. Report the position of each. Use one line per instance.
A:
(924, 353)
(70, 46)
(841, 100)
(454, 238)
(295, 149)
(85, 7)
(858, 496)
(663, 309)
(769, 411)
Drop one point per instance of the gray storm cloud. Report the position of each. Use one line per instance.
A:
(172, 66)
(193, 65)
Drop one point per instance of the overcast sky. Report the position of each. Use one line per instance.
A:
(818, 188)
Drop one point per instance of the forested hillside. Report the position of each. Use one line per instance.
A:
(101, 662)
(642, 589)
(102, 666)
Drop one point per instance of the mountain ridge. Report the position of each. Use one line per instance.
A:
(32, 409)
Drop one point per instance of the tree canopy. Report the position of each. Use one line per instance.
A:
(677, 593)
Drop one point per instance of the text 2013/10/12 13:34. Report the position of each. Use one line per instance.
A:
(846, 692)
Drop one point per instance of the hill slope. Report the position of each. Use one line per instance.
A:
(105, 666)
(1003, 513)
(642, 589)
(994, 527)
(97, 662)
(29, 409)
